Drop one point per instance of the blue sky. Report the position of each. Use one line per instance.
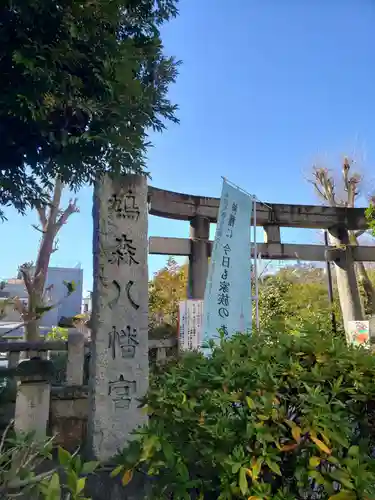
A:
(266, 88)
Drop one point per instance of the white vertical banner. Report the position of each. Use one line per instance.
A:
(227, 300)
(190, 324)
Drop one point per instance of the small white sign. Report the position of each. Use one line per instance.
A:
(182, 330)
(359, 332)
(190, 324)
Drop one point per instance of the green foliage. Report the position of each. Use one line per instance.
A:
(297, 296)
(293, 297)
(370, 217)
(268, 416)
(75, 472)
(81, 85)
(58, 333)
(20, 457)
(72, 321)
(70, 287)
(167, 288)
(273, 301)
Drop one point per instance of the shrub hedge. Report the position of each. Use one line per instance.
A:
(268, 416)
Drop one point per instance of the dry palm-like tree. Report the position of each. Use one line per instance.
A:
(324, 185)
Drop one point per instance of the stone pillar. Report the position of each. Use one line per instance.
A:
(161, 354)
(342, 256)
(119, 358)
(76, 358)
(33, 396)
(14, 359)
(272, 238)
(198, 258)
(271, 234)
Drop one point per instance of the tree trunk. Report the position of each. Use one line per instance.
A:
(36, 295)
(364, 281)
(346, 279)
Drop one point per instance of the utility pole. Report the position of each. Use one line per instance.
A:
(330, 287)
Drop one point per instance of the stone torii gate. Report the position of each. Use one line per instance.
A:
(201, 211)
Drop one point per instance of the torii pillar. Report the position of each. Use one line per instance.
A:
(198, 258)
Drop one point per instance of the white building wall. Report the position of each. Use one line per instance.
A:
(67, 306)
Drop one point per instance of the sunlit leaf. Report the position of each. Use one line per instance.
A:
(343, 495)
(353, 451)
(274, 467)
(242, 481)
(325, 439)
(54, 484)
(323, 447)
(256, 468)
(296, 433)
(127, 477)
(314, 461)
(250, 403)
(89, 467)
(80, 485)
(288, 447)
(63, 456)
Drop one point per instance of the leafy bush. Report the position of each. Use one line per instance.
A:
(269, 416)
(370, 216)
(21, 457)
(297, 297)
(57, 333)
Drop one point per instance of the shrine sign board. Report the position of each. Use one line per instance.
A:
(119, 365)
(190, 324)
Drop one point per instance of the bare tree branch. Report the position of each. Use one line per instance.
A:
(55, 246)
(19, 306)
(318, 191)
(52, 218)
(324, 184)
(345, 172)
(71, 209)
(37, 228)
(27, 279)
(42, 216)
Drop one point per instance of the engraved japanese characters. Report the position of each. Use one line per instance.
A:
(120, 312)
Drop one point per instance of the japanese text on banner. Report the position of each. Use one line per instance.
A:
(227, 300)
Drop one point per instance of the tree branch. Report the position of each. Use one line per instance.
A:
(345, 172)
(21, 483)
(42, 216)
(319, 192)
(37, 228)
(55, 246)
(71, 209)
(324, 185)
(27, 279)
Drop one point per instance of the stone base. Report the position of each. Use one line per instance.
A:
(68, 417)
(102, 487)
(32, 408)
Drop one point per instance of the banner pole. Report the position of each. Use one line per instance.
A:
(255, 256)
